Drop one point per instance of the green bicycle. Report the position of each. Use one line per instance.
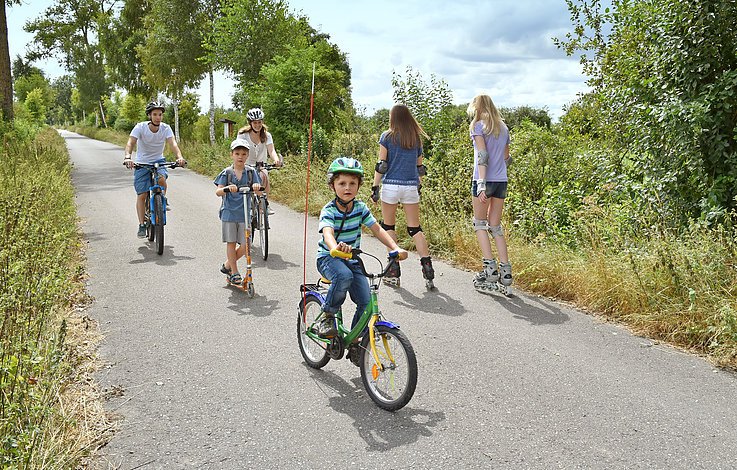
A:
(383, 352)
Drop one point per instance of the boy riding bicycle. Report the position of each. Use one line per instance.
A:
(340, 224)
(232, 212)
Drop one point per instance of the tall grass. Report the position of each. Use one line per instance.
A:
(677, 287)
(44, 362)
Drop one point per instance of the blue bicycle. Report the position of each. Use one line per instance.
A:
(155, 216)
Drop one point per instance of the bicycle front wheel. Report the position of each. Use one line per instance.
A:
(313, 353)
(263, 227)
(393, 387)
(159, 218)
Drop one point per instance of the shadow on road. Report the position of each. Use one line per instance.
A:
(381, 430)
(258, 306)
(94, 236)
(431, 302)
(274, 263)
(167, 258)
(540, 314)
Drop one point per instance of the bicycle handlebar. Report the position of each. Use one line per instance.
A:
(394, 257)
(156, 165)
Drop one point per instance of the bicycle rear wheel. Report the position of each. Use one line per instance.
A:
(393, 387)
(159, 218)
(263, 227)
(148, 221)
(313, 353)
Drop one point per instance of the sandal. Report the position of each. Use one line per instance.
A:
(235, 279)
(225, 270)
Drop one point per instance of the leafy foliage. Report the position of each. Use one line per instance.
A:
(666, 84)
(284, 93)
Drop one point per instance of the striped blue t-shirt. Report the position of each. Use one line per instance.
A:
(350, 234)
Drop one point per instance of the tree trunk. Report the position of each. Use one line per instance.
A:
(212, 108)
(6, 80)
(102, 113)
(176, 119)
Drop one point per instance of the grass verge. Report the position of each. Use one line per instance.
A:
(50, 414)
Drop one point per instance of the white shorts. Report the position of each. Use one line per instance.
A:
(395, 193)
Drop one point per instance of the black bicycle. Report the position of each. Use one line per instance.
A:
(260, 214)
(155, 216)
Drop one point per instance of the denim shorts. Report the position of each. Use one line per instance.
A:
(497, 189)
(142, 178)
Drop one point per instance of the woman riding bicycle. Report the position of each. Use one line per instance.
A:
(263, 144)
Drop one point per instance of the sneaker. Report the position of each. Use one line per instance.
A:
(142, 231)
(166, 204)
(225, 270)
(326, 328)
(269, 210)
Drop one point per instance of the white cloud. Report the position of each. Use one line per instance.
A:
(491, 46)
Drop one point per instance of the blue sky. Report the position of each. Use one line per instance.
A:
(497, 47)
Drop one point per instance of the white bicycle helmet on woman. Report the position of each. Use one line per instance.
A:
(255, 114)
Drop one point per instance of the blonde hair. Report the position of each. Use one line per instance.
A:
(403, 125)
(482, 109)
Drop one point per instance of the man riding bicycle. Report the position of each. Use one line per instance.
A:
(150, 137)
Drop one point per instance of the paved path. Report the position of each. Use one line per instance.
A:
(212, 379)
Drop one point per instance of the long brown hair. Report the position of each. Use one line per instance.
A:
(261, 135)
(404, 126)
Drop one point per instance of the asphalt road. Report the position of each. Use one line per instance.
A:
(200, 376)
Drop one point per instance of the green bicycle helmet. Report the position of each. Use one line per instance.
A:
(345, 165)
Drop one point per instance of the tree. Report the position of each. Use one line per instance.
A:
(665, 80)
(120, 39)
(61, 109)
(72, 28)
(284, 93)
(23, 68)
(249, 33)
(25, 83)
(173, 48)
(36, 106)
(6, 79)
(513, 117)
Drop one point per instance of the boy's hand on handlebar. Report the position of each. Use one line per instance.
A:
(232, 188)
(181, 162)
(344, 247)
(128, 161)
(399, 253)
